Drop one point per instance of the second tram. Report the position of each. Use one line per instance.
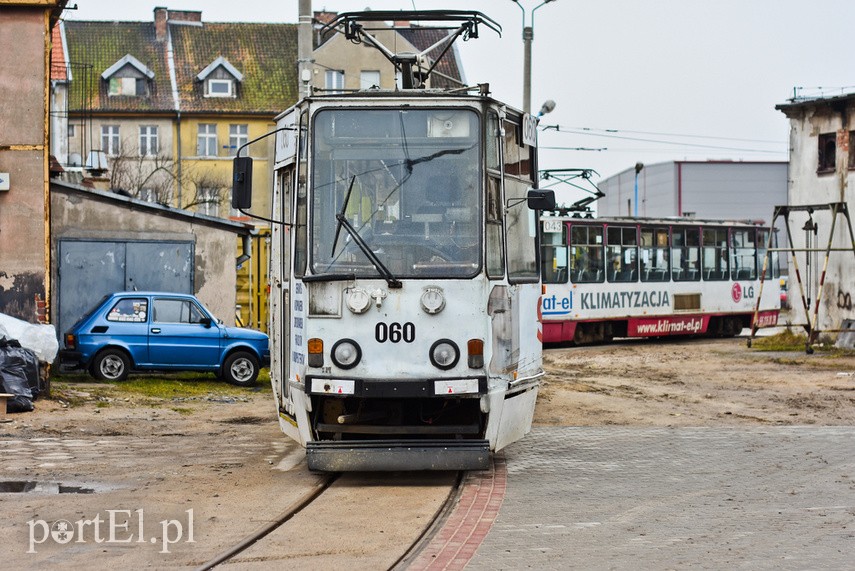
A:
(633, 277)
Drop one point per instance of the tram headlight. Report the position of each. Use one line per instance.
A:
(346, 354)
(444, 354)
(433, 300)
(358, 300)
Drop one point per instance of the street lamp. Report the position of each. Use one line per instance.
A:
(528, 36)
(638, 167)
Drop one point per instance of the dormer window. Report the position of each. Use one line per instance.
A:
(220, 79)
(219, 88)
(128, 77)
(126, 86)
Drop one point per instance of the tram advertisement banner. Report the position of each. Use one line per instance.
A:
(655, 326)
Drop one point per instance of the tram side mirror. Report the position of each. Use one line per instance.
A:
(242, 183)
(541, 199)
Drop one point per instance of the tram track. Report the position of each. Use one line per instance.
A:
(279, 521)
(260, 546)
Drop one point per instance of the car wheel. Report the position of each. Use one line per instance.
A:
(111, 365)
(240, 368)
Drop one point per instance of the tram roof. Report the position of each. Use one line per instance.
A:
(668, 220)
(441, 96)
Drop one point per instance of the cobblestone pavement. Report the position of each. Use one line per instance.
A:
(676, 498)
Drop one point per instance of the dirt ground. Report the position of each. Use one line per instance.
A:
(679, 382)
(715, 382)
(218, 449)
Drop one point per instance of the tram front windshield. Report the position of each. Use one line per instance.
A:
(407, 182)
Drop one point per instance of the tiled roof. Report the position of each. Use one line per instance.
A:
(58, 69)
(95, 46)
(265, 54)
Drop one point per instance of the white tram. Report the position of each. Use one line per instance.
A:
(636, 277)
(404, 284)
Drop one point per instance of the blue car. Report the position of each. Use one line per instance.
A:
(161, 331)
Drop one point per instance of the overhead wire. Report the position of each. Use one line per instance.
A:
(613, 134)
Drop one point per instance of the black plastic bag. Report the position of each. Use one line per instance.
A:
(19, 375)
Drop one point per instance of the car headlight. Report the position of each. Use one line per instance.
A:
(444, 354)
(346, 354)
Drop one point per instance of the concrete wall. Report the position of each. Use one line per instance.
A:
(656, 196)
(80, 213)
(717, 190)
(24, 39)
(808, 121)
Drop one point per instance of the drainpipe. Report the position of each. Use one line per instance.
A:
(44, 317)
(170, 58)
(178, 153)
(843, 143)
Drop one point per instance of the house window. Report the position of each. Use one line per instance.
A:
(219, 88)
(71, 130)
(827, 153)
(148, 141)
(369, 79)
(206, 143)
(334, 80)
(851, 150)
(147, 194)
(125, 86)
(110, 140)
(238, 136)
(209, 201)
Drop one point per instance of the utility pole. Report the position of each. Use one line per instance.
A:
(528, 37)
(304, 45)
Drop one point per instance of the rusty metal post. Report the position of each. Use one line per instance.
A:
(766, 259)
(813, 331)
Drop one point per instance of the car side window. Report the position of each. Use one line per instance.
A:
(176, 311)
(134, 310)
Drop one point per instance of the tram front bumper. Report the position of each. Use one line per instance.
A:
(398, 455)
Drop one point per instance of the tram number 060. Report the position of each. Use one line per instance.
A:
(395, 332)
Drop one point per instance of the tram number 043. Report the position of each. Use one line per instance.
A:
(395, 332)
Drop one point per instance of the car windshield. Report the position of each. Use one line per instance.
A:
(407, 182)
(177, 311)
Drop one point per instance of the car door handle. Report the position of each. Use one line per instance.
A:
(155, 330)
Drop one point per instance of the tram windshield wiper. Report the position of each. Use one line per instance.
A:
(343, 222)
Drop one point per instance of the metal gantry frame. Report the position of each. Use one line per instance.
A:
(836, 209)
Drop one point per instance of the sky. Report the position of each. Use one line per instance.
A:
(634, 81)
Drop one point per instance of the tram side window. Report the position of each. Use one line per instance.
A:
(586, 254)
(520, 222)
(553, 257)
(715, 254)
(300, 226)
(743, 257)
(495, 242)
(622, 253)
(654, 255)
(686, 254)
(494, 237)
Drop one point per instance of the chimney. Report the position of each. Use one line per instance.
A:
(161, 16)
(185, 16)
(402, 24)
